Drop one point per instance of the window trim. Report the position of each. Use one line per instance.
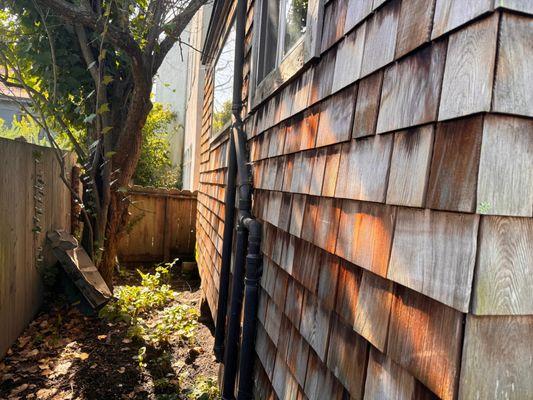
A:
(305, 49)
(216, 134)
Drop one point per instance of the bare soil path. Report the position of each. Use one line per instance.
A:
(66, 355)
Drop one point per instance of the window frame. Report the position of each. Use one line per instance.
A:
(216, 134)
(287, 65)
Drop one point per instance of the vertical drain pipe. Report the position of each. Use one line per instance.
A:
(231, 347)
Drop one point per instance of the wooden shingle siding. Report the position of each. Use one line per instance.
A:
(454, 166)
(349, 59)
(380, 40)
(387, 380)
(504, 275)
(434, 253)
(335, 121)
(505, 184)
(450, 14)
(373, 309)
(347, 357)
(493, 345)
(409, 169)
(425, 339)
(468, 75)
(513, 90)
(363, 168)
(411, 89)
(393, 180)
(365, 235)
(414, 26)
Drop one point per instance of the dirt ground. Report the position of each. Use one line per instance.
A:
(64, 354)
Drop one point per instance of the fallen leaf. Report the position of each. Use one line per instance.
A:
(102, 337)
(126, 340)
(19, 389)
(121, 370)
(45, 393)
(23, 340)
(82, 356)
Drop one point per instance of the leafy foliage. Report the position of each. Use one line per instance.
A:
(25, 128)
(154, 167)
(222, 117)
(154, 293)
(204, 389)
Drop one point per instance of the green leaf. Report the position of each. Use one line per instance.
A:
(103, 109)
(107, 79)
(107, 129)
(110, 154)
(89, 119)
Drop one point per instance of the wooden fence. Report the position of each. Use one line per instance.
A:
(162, 226)
(33, 200)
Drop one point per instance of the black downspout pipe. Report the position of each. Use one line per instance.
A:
(253, 275)
(227, 246)
(231, 347)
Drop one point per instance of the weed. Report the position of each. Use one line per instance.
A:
(204, 389)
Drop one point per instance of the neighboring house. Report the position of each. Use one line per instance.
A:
(194, 99)
(169, 89)
(10, 103)
(392, 151)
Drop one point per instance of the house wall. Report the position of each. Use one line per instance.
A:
(393, 176)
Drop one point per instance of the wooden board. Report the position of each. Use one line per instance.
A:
(380, 40)
(294, 302)
(334, 19)
(309, 220)
(504, 275)
(365, 235)
(363, 168)
(414, 26)
(409, 168)
(434, 253)
(297, 357)
(367, 106)
(327, 223)
(497, 358)
(297, 214)
(314, 325)
(306, 266)
(349, 59)
(373, 309)
(425, 338)
(357, 11)
(454, 166)
(327, 279)
(468, 76)
(347, 357)
(387, 380)
(336, 116)
(411, 89)
(449, 14)
(506, 152)
(331, 170)
(347, 292)
(513, 89)
(323, 77)
(317, 176)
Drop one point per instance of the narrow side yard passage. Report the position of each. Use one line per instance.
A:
(149, 344)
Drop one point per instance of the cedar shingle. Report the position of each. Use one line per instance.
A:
(409, 169)
(334, 18)
(314, 325)
(367, 107)
(468, 75)
(414, 26)
(449, 14)
(294, 303)
(425, 339)
(327, 223)
(455, 163)
(434, 253)
(347, 291)
(365, 235)
(347, 357)
(411, 89)
(357, 11)
(328, 265)
(349, 59)
(335, 120)
(380, 40)
(373, 309)
(513, 90)
(323, 77)
(309, 220)
(504, 275)
(331, 170)
(497, 358)
(297, 214)
(505, 185)
(363, 168)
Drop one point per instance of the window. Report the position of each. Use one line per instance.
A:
(283, 24)
(223, 89)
